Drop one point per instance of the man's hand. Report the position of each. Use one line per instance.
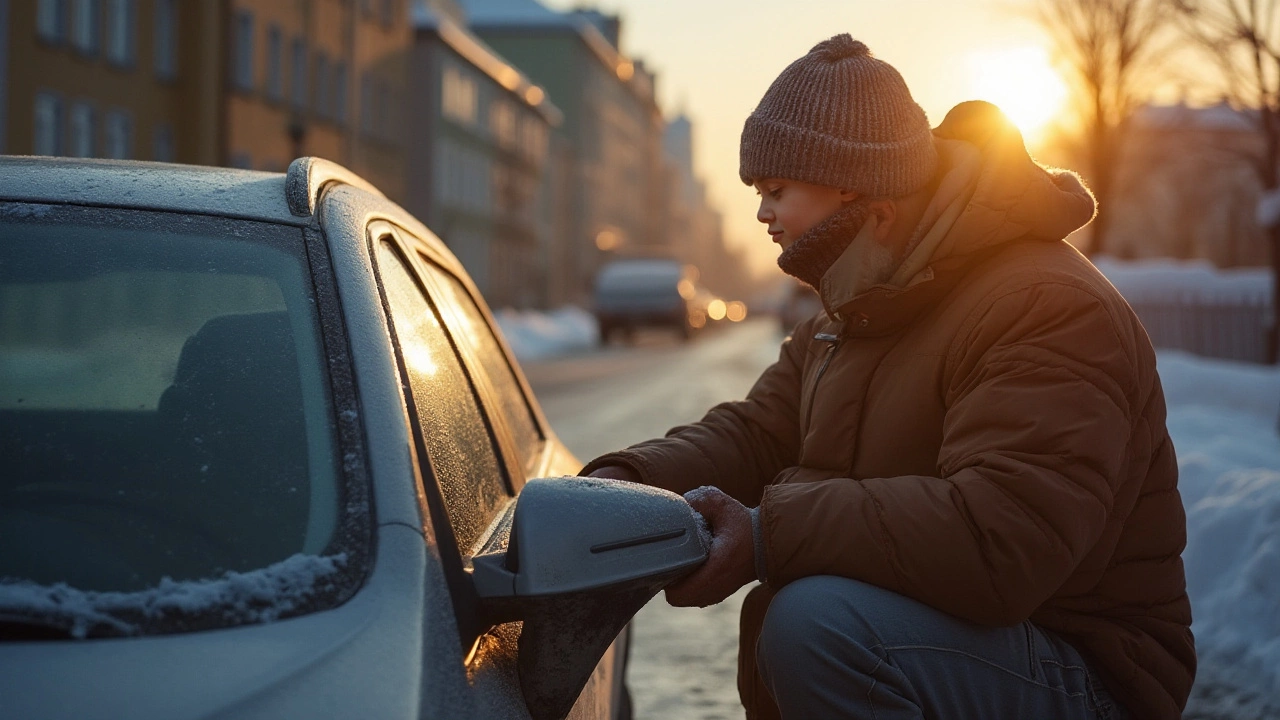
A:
(731, 562)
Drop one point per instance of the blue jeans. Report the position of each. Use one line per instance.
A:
(832, 647)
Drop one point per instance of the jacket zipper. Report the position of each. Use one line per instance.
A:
(833, 342)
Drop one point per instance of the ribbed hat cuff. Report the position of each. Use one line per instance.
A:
(772, 149)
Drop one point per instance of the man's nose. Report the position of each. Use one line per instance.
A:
(764, 214)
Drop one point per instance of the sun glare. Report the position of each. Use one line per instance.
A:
(1022, 83)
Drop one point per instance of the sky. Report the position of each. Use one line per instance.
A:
(714, 59)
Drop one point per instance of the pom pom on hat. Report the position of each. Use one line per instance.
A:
(839, 47)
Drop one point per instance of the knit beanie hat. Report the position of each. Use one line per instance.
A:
(841, 118)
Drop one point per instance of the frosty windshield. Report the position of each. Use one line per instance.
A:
(164, 412)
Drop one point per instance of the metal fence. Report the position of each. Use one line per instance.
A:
(1231, 329)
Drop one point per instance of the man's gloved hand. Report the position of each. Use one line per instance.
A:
(731, 562)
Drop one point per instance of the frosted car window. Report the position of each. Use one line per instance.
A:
(164, 406)
(476, 330)
(457, 440)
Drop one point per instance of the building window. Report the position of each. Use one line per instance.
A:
(275, 75)
(376, 117)
(162, 143)
(534, 140)
(460, 97)
(51, 20)
(121, 32)
(382, 110)
(502, 122)
(242, 60)
(48, 130)
(86, 25)
(82, 130)
(299, 67)
(322, 85)
(463, 177)
(118, 132)
(166, 30)
(340, 92)
(366, 103)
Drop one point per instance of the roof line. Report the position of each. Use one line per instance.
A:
(480, 55)
(307, 177)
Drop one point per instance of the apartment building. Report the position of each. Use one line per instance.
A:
(111, 78)
(318, 77)
(242, 83)
(1187, 186)
(612, 128)
(483, 174)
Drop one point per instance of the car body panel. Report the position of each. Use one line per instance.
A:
(244, 194)
(244, 671)
(390, 651)
(387, 436)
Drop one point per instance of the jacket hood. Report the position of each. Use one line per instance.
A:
(1012, 195)
(989, 191)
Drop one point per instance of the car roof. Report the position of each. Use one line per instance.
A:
(289, 198)
(195, 189)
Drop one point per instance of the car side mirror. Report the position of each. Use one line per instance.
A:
(583, 556)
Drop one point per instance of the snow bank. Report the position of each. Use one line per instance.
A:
(535, 335)
(1222, 417)
(1169, 280)
(252, 597)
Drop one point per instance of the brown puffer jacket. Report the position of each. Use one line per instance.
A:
(989, 439)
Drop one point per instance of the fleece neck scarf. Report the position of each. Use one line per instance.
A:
(814, 252)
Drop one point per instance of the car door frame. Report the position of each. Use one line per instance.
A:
(415, 251)
(546, 459)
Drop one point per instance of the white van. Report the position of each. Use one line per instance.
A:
(644, 292)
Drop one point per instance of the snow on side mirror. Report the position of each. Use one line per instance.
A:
(584, 555)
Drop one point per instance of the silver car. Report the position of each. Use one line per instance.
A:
(265, 456)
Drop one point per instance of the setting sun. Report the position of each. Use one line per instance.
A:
(1022, 82)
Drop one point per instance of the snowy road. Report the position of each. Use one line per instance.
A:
(684, 661)
(683, 664)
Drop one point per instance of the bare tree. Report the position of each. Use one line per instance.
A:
(1243, 38)
(1112, 47)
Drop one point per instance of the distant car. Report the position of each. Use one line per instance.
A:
(265, 455)
(800, 304)
(633, 293)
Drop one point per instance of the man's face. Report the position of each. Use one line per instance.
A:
(791, 207)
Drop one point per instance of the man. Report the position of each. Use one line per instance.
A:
(955, 485)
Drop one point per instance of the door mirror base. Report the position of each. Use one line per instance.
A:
(584, 555)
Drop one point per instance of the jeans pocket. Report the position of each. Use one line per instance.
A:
(1101, 699)
(1062, 668)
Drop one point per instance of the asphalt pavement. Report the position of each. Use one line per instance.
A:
(683, 662)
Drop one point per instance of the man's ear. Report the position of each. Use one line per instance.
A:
(885, 211)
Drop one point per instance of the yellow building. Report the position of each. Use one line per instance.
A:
(317, 77)
(110, 78)
(245, 83)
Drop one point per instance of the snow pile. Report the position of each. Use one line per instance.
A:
(258, 596)
(1171, 280)
(24, 211)
(535, 335)
(1222, 416)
